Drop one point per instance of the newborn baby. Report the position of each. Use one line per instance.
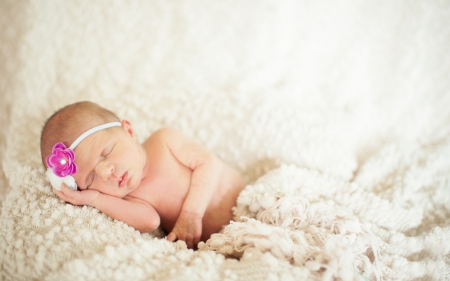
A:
(169, 180)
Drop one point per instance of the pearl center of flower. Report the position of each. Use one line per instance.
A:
(63, 161)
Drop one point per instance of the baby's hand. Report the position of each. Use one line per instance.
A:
(187, 228)
(83, 197)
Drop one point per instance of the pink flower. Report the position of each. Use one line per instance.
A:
(62, 160)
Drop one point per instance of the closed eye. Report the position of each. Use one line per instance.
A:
(106, 153)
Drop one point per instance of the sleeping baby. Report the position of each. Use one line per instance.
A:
(171, 181)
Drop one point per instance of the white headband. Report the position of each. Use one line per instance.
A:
(93, 130)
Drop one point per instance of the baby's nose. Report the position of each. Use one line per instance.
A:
(105, 170)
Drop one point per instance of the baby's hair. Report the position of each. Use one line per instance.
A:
(67, 123)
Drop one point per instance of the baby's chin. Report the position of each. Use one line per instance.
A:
(132, 184)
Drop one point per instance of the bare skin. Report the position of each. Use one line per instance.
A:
(168, 181)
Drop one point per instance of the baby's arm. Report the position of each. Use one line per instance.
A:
(132, 211)
(206, 173)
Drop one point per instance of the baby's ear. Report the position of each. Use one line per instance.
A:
(128, 128)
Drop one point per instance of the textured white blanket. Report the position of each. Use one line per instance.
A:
(336, 114)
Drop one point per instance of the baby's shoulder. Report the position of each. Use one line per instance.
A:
(172, 140)
(160, 138)
(165, 134)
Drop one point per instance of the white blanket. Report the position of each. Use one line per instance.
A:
(336, 114)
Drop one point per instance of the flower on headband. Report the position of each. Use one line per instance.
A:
(62, 160)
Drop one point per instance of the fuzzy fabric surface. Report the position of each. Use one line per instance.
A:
(337, 115)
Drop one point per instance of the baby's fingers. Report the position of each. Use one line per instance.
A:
(190, 243)
(60, 194)
(171, 237)
(68, 195)
(66, 190)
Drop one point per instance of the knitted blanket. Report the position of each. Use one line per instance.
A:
(335, 113)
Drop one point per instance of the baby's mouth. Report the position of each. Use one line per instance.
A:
(123, 180)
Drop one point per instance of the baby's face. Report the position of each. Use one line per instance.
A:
(110, 161)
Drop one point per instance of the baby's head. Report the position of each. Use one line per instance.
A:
(85, 146)
(69, 122)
